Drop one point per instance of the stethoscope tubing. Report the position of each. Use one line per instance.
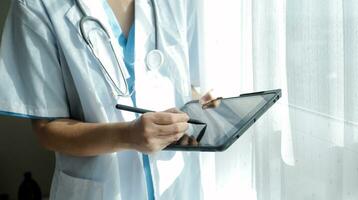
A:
(155, 51)
(87, 18)
(155, 20)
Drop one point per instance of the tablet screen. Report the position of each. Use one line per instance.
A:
(224, 121)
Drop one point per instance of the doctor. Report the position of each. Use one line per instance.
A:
(66, 64)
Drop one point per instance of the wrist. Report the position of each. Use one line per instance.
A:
(121, 136)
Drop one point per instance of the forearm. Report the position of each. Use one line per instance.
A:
(82, 139)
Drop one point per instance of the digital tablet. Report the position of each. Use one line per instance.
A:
(227, 122)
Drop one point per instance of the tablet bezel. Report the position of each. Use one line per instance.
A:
(277, 95)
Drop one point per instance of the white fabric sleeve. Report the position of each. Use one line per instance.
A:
(193, 40)
(31, 83)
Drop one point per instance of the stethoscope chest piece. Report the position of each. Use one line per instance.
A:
(154, 59)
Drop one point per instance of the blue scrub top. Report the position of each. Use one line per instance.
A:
(127, 45)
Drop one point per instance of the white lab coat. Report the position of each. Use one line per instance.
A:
(47, 71)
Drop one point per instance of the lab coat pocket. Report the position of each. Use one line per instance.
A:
(72, 188)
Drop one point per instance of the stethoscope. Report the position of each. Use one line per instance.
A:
(154, 58)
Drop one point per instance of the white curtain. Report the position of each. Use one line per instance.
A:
(306, 146)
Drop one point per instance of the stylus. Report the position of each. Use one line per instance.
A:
(142, 111)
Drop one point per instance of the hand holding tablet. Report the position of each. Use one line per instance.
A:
(222, 120)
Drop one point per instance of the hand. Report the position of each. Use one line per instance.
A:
(208, 100)
(154, 131)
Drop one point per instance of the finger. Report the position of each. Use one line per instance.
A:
(212, 104)
(208, 96)
(184, 140)
(165, 118)
(192, 141)
(172, 128)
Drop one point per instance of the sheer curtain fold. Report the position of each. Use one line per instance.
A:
(306, 147)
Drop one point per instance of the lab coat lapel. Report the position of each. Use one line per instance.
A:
(144, 34)
(170, 14)
(94, 9)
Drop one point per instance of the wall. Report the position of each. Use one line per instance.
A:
(19, 150)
